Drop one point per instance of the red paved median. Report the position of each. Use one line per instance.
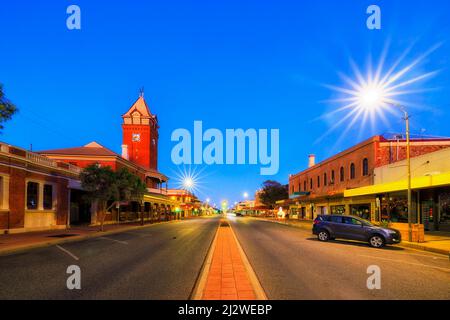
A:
(227, 278)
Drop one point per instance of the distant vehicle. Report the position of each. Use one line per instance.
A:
(330, 227)
(239, 214)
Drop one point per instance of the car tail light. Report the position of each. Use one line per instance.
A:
(316, 222)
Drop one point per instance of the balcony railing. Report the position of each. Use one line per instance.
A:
(37, 158)
(157, 191)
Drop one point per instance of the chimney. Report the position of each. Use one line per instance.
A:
(312, 160)
(125, 151)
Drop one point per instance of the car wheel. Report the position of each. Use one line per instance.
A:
(323, 235)
(377, 241)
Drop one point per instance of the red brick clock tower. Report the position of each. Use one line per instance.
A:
(140, 135)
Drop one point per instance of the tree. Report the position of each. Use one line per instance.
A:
(273, 191)
(7, 108)
(101, 185)
(131, 188)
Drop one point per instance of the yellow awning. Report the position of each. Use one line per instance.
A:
(423, 182)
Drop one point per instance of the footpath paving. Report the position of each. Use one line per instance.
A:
(437, 242)
(13, 243)
(228, 277)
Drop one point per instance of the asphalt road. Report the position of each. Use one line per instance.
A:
(160, 262)
(291, 264)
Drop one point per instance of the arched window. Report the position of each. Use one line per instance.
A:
(342, 174)
(304, 185)
(332, 177)
(318, 181)
(310, 184)
(352, 171)
(325, 179)
(365, 167)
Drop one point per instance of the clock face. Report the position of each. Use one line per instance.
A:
(136, 137)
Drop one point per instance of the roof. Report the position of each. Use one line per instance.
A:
(90, 149)
(141, 106)
(94, 149)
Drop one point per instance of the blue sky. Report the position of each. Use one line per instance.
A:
(231, 64)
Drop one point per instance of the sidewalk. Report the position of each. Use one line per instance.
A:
(227, 278)
(437, 242)
(12, 243)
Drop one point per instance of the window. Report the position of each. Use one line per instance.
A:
(336, 219)
(304, 185)
(365, 167)
(310, 184)
(332, 177)
(325, 180)
(352, 171)
(48, 197)
(32, 195)
(342, 174)
(352, 221)
(299, 187)
(318, 181)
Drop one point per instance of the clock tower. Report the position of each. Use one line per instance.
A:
(140, 135)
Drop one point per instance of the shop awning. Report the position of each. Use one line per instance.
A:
(429, 181)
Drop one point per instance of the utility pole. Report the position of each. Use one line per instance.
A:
(408, 161)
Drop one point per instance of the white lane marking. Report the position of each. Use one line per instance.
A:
(68, 252)
(405, 262)
(118, 241)
(140, 235)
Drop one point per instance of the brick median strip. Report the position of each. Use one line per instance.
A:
(228, 277)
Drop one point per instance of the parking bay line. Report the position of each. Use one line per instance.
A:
(410, 263)
(67, 252)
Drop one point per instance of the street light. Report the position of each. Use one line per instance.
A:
(245, 195)
(373, 97)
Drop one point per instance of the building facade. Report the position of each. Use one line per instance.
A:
(320, 189)
(430, 181)
(34, 191)
(139, 156)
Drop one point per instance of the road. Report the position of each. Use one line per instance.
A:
(162, 262)
(159, 262)
(291, 264)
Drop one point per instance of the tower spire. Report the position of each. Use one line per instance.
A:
(141, 92)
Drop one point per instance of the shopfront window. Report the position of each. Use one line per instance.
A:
(398, 209)
(337, 209)
(444, 210)
(361, 210)
(32, 195)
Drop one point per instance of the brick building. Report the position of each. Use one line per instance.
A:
(34, 191)
(139, 156)
(188, 203)
(320, 188)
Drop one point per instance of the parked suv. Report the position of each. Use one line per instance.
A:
(330, 227)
